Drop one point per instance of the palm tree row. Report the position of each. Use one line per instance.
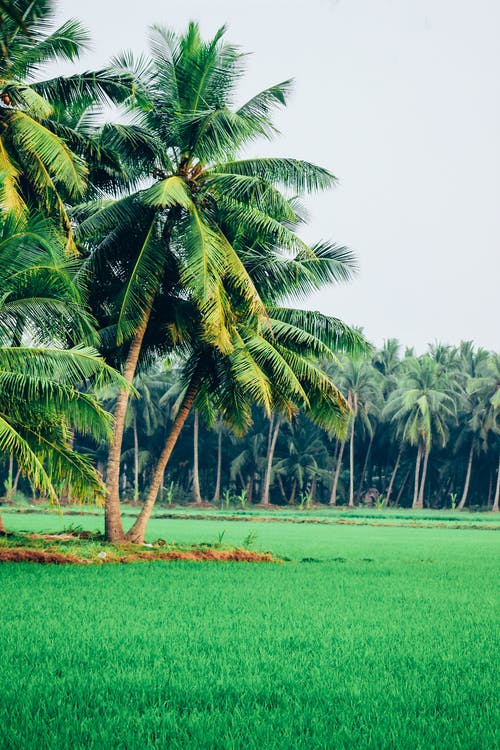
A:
(423, 431)
(178, 247)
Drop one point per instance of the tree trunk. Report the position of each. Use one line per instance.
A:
(282, 489)
(365, 466)
(136, 461)
(16, 479)
(424, 475)
(8, 492)
(497, 491)
(463, 499)
(417, 475)
(2, 527)
(333, 495)
(196, 468)
(351, 456)
(264, 498)
(136, 533)
(312, 493)
(291, 501)
(393, 477)
(401, 489)
(219, 465)
(113, 522)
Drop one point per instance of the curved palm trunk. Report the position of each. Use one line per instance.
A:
(417, 477)
(136, 461)
(2, 527)
(196, 467)
(216, 497)
(10, 476)
(424, 475)
(264, 498)
(333, 495)
(497, 491)
(463, 499)
(112, 516)
(393, 477)
(401, 489)
(291, 501)
(138, 530)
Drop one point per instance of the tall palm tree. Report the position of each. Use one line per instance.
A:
(39, 167)
(423, 406)
(176, 241)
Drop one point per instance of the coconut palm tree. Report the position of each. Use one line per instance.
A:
(423, 406)
(176, 240)
(39, 167)
(42, 396)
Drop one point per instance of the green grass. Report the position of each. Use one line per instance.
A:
(385, 638)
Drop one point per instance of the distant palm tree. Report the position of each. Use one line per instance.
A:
(422, 407)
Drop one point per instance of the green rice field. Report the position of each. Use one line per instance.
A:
(367, 636)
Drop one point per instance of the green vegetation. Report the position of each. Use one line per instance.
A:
(368, 637)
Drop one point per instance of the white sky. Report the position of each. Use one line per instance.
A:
(400, 99)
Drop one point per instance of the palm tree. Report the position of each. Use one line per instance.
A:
(361, 384)
(38, 166)
(42, 400)
(175, 241)
(422, 406)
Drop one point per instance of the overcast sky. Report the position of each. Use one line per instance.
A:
(400, 100)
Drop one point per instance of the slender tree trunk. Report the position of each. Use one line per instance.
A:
(249, 489)
(113, 522)
(291, 501)
(219, 466)
(312, 493)
(424, 476)
(196, 468)
(417, 476)
(16, 479)
(365, 466)
(8, 492)
(333, 495)
(2, 527)
(264, 498)
(401, 489)
(393, 477)
(497, 491)
(282, 489)
(351, 456)
(136, 461)
(136, 533)
(463, 499)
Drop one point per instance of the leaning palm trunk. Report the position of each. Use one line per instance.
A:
(264, 499)
(463, 499)
(2, 527)
(196, 466)
(113, 522)
(393, 477)
(333, 495)
(497, 492)
(138, 530)
(424, 476)
(417, 476)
